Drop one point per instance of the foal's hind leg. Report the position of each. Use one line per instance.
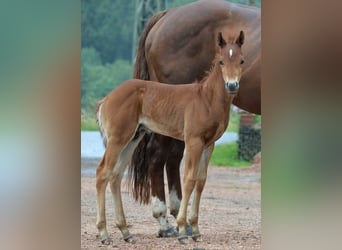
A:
(111, 168)
(115, 186)
(103, 173)
(101, 184)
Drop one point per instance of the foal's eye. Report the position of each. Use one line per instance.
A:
(221, 63)
(242, 62)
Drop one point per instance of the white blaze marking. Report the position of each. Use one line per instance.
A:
(230, 53)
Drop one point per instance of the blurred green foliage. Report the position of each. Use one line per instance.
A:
(234, 121)
(106, 49)
(107, 26)
(99, 79)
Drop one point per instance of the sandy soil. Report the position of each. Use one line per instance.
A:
(230, 213)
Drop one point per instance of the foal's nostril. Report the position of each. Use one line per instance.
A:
(232, 86)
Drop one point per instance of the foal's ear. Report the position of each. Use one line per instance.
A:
(221, 41)
(241, 39)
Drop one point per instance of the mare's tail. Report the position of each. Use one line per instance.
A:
(140, 66)
(138, 174)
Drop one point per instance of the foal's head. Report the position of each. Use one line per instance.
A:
(230, 59)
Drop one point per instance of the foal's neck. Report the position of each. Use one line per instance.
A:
(214, 86)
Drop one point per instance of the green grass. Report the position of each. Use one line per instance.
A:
(226, 155)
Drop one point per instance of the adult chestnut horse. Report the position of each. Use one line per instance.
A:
(177, 46)
(196, 113)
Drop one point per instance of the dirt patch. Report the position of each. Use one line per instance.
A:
(230, 213)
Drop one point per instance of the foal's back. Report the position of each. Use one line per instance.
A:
(160, 107)
(153, 95)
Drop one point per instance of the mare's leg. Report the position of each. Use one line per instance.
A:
(194, 148)
(173, 176)
(201, 179)
(157, 151)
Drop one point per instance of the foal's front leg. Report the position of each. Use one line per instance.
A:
(201, 179)
(194, 149)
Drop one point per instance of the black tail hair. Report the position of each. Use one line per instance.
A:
(138, 173)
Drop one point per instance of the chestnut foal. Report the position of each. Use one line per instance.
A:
(196, 113)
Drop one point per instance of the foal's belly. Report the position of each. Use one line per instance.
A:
(163, 129)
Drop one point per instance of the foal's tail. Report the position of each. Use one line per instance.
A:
(138, 174)
(100, 123)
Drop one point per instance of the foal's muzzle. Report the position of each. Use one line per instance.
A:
(232, 86)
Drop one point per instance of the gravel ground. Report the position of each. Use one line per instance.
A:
(230, 213)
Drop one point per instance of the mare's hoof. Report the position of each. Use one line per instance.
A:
(183, 239)
(171, 232)
(197, 237)
(129, 239)
(106, 241)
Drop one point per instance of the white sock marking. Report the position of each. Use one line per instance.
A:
(174, 200)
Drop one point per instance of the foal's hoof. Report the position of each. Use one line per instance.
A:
(187, 229)
(129, 239)
(183, 239)
(197, 237)
(106, 241)
(170, 232)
